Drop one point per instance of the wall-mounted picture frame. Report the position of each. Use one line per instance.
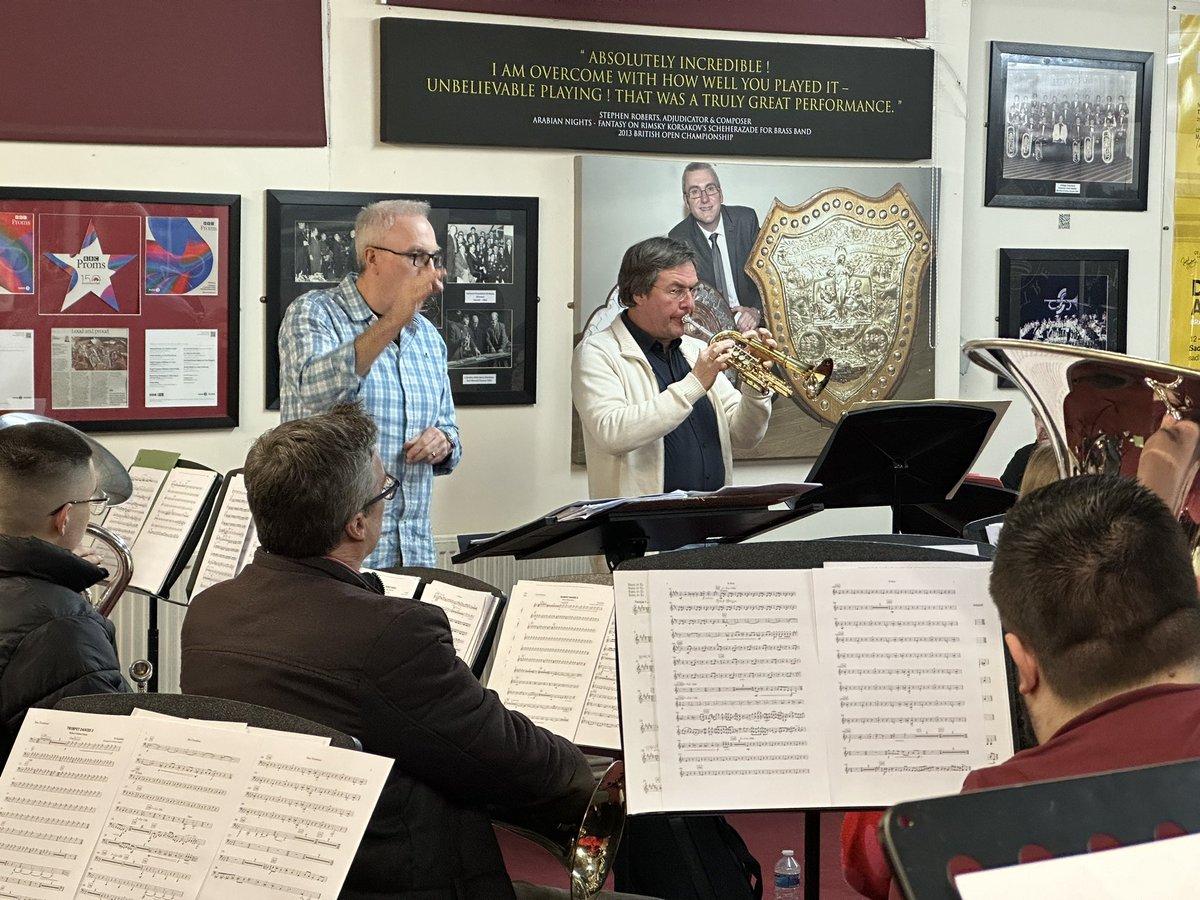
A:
(487, 313)
(1068, 127)
(1077, 298)
(119, 309)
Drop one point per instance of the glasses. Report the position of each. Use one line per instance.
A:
(678, 292)
(97, 504)
(419, 258)
(390, 486)
(711, 190)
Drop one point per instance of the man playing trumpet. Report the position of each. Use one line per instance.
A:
(656, 415)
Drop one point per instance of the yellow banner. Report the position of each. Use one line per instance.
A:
(1185, 253)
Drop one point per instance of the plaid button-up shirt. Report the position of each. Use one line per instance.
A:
(406, 390)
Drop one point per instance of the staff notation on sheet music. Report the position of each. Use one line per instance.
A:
(183, 769)
(298, 821)
(134, 888)
(38, 851)
(242, 828)
(884, 768)
(757, 715)
(930, 654)
(890, 606)
(169, 801)
(162, 852)
(274, 868)
(747, 676)
(742, 771)
(723, 620)
(889, 623)
(726, 664)
(307, 788)
(311, 772)
(218, 875)
(902, 672)
(56, 773)
(904, 704)
(907, 754)
(897, 639)
(168, 783)
(911, 720)
(907, 688)
(743, 731)
(733, 607)
(303, 804)
(891, 591)
(279, 851)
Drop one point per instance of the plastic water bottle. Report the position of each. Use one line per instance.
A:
(787, 877)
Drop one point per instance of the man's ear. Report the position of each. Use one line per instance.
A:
(59, 519)
(1029, 676)
(356, 528)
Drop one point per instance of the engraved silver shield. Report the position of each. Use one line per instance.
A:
(841, 276)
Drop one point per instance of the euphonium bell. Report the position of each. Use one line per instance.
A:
(1100, 408)
(749, 357)
(588, 851)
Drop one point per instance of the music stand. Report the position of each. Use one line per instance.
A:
(629, 528)
(898, 454)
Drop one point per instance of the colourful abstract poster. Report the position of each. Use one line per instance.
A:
(16, 253)
(89, 265)
(181, 255)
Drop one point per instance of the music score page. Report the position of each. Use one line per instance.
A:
(549, 654)
(856, 685)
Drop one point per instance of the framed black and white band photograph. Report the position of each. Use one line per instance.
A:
(1068, 127)
(487, 312)
(1077, 298)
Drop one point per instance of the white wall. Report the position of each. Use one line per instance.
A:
(516, 462)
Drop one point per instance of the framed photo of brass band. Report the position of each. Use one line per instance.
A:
(119, 309)
(487, 312)
(1068, 127)
(1078, 298)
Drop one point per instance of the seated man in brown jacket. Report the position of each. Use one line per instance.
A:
(301, 629)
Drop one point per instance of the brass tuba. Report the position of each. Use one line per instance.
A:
(113, 479)
(1099, 408)
(588, 851)
(749, 356)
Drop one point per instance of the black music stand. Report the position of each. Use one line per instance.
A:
(629, 528)
(899, 454)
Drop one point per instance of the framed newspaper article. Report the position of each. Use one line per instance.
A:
(119, 310)
(487, 312)
(1068, 127)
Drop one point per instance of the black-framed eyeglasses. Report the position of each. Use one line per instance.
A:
(390, 485)
(97, 504)
(419, 258)
(695, 193)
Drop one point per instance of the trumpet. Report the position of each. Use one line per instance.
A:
(749, 357)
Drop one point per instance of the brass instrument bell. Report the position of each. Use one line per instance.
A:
(749, 357)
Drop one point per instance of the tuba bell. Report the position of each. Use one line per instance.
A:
(1100, 408)
(587, 852)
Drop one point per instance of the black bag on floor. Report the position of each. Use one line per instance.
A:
(686, 858)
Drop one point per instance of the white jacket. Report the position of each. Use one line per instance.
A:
(625, 416)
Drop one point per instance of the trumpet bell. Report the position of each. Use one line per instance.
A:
(750, 357)
(1100, 407)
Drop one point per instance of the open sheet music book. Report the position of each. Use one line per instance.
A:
(555, 660)
(126, 806)
(471, 614)
(859, 684)
(161, 521)
(231, 539)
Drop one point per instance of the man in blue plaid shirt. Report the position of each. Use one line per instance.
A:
(366, 340)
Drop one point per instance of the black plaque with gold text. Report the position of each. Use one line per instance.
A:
(512, 86)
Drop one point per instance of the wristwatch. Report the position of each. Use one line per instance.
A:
(450, 441)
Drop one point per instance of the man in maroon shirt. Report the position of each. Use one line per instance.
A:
(1096, 593)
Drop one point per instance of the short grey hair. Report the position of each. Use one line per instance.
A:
(642, 263)
(699, 167)
(307, 478)
(376, 220)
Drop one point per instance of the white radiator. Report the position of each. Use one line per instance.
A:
(503, 572)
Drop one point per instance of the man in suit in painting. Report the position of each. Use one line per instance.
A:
(722, 238)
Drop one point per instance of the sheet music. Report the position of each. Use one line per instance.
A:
(600, 721)
(59, 782)
(737, 689)
(161, 539)
(168, 816)
(394, 585)
(127, 520)
(548, 650)
(225, 553)
(466, 610)
(635, 668)
(912, 656)
(298, 825)
(120, 807)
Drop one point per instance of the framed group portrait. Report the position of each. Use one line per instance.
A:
(1068, 127)
(1077, 298)
(119, 309)
(487, 312)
